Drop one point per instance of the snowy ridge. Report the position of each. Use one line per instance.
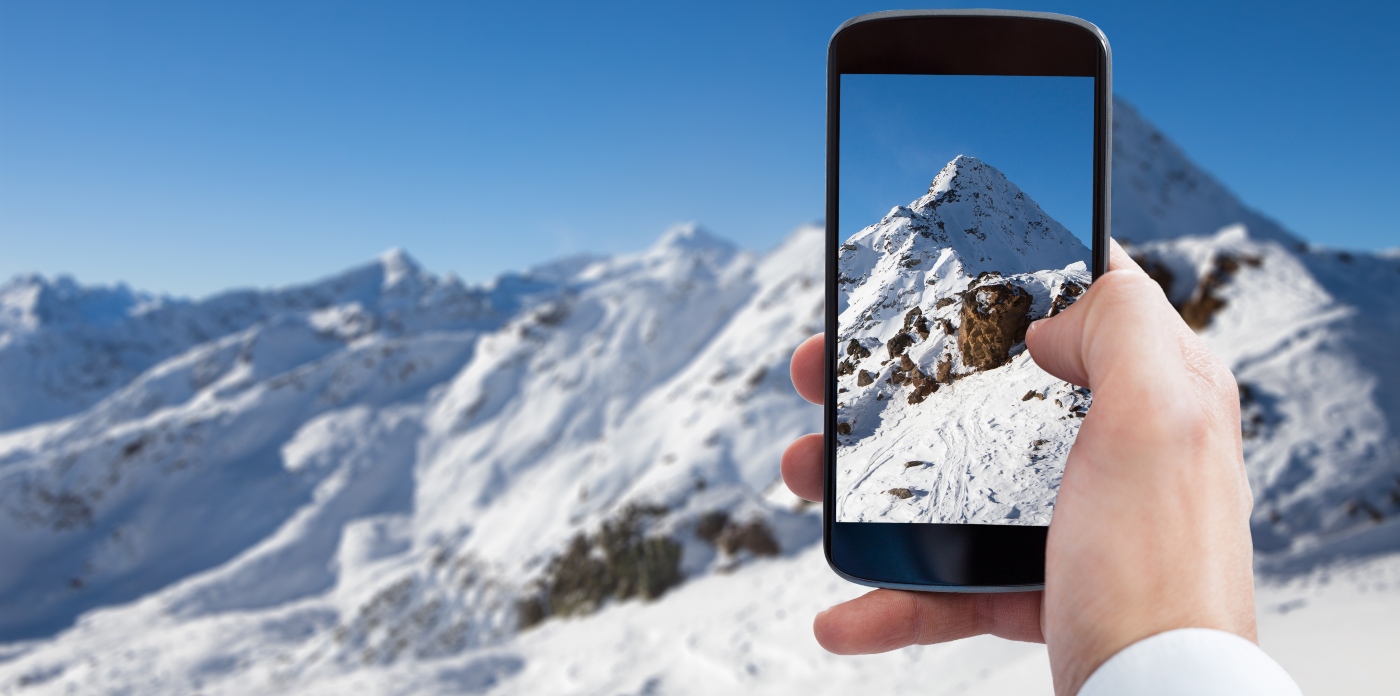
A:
(1159, 193)
(64, 347)
(906, 280)
(366, 483)
(1311, 338)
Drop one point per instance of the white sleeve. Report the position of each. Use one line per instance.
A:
(1196, 661)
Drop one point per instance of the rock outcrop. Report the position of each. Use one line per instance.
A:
(717, 529)
(1206, 301)
(619, 561)
(994, 318)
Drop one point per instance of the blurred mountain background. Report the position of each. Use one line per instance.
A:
(564, 479)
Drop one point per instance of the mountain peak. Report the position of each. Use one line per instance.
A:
(397, 265)
(971, 213)
(690, 236)
(964, 171)
(1159, 193)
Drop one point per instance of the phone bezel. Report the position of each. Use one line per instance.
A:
(950, 557)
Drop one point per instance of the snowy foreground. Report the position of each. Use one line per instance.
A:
(566, 482)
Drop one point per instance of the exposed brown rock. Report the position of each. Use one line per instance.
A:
(912, 464)
(619, 562)
(923, 384)
(1205, 303)
(943, 372)
(756, 378)
(905, 363)
(922, 391)
(919, 379)
(843, 428)
(845, 367)
(994, 318)
(1028, 395)
(914, 320)
(899, 344)
(717, 529)
(856, 351)
(944, 302)
(753, 536)
(901, 493)
(1068, 293)
(1199, 310)
(711, 525)
(865, 378)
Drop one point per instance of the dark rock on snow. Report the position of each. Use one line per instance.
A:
(993, 320)
(899, 344)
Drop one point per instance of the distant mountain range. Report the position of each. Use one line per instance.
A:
(565, 481)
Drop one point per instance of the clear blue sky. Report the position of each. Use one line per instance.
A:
(897, 132)
(187, 147)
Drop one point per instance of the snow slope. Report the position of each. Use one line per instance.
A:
(1312, 338)
(972, 451)
(388, 482)
(1159, 193)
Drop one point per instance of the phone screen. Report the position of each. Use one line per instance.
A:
(966, 206)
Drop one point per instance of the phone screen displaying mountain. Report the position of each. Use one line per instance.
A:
(942, 414)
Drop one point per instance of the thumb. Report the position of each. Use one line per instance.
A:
(1056, 344)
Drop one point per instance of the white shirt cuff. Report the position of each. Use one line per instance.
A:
(1197, 661)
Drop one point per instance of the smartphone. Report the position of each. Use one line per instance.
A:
(967, 195)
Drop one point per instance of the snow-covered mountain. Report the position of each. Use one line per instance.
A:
(1313, 338)
(566, 481)
(942, 415)
(64, 347)
(1159, 193)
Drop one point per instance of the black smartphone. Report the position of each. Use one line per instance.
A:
(967, 195)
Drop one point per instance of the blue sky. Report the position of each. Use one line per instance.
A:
(190, 147)
(897, 132)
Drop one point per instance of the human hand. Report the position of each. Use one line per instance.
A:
(1151, 524)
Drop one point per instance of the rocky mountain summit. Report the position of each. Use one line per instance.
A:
(566, 481)
(936, 292)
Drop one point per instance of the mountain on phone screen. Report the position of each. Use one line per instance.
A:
(943, 417)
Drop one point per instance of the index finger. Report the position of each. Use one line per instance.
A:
(808, 364)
